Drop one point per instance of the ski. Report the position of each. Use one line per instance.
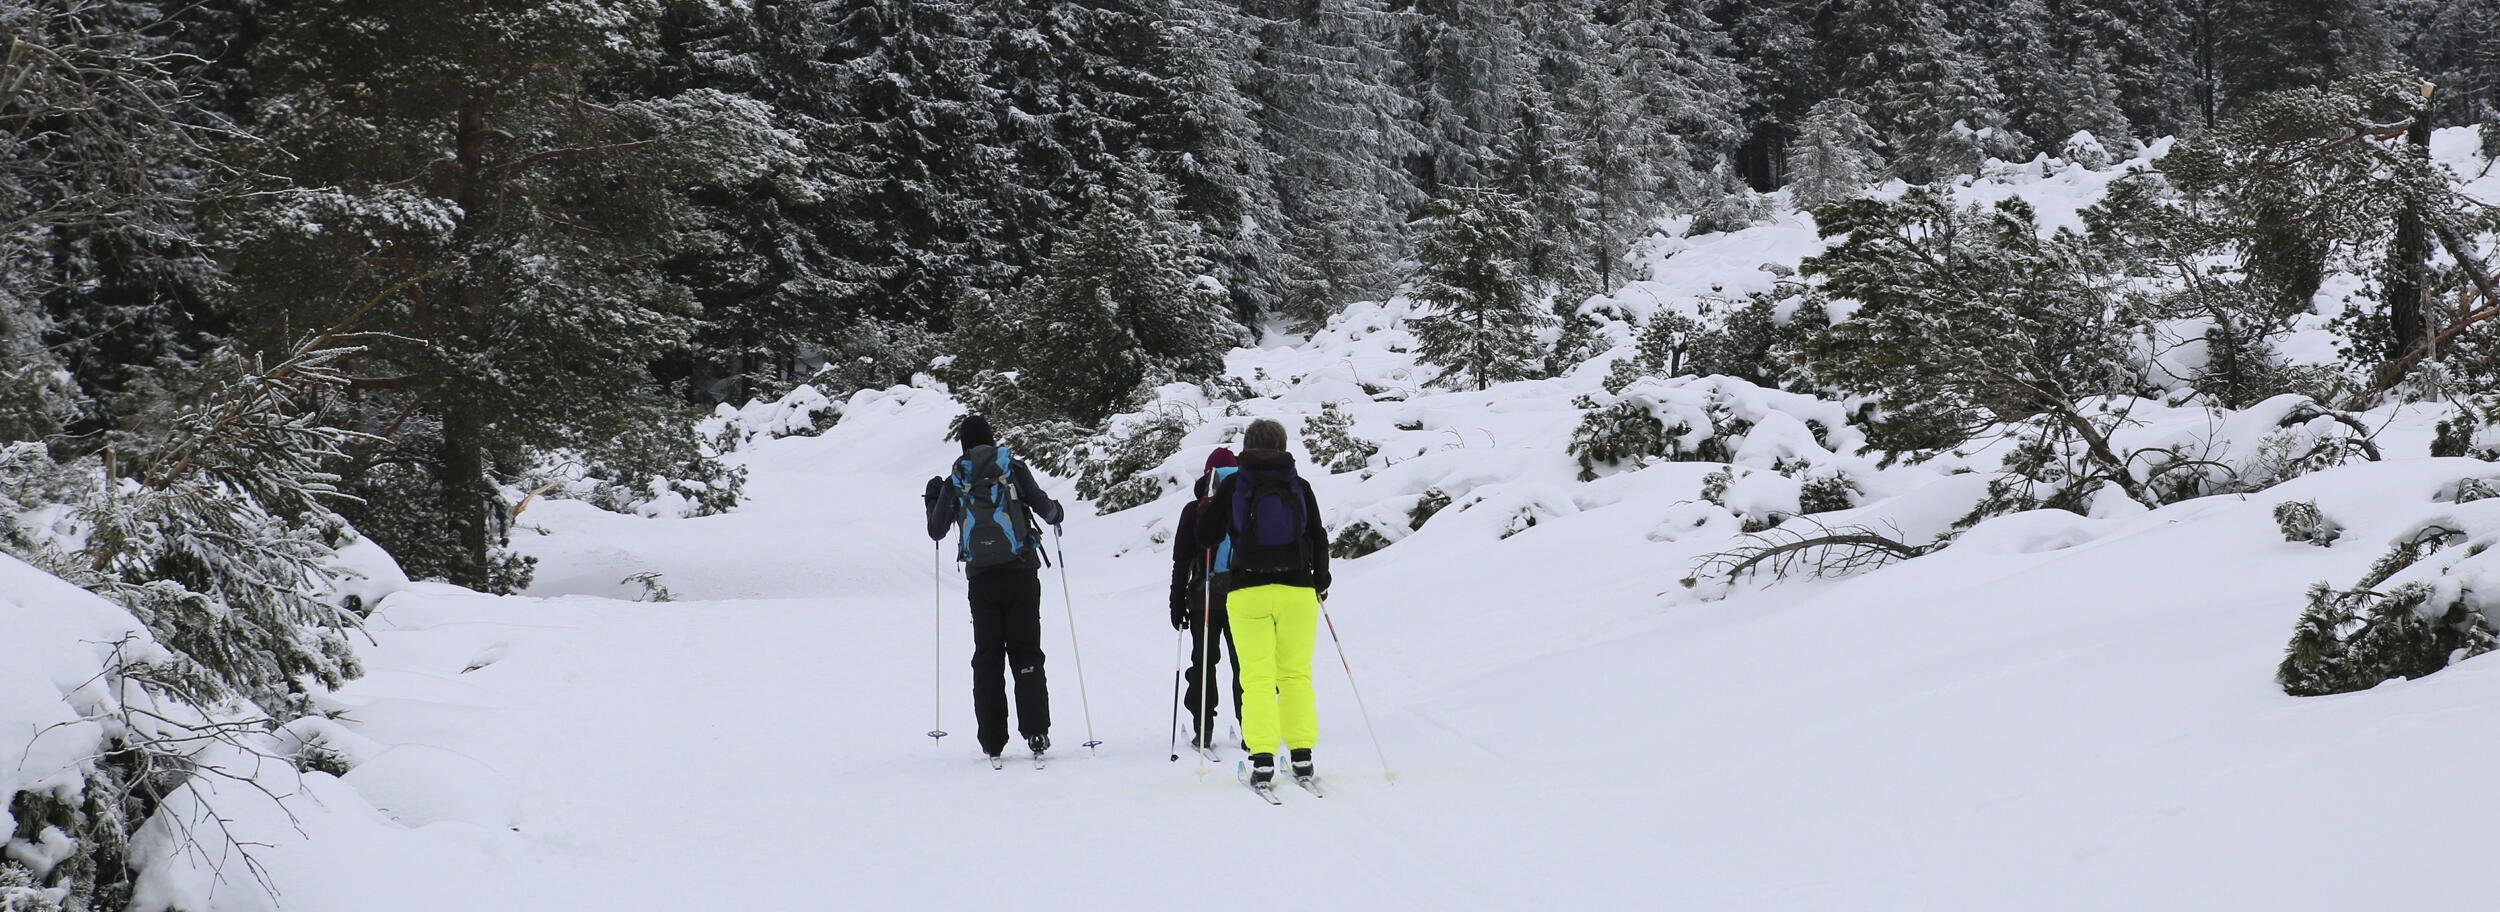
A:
(1241, 771)
(1037, 760)
(1310, 784)
(998, 762)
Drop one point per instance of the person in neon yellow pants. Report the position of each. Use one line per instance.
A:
(1277, 554)
(1275, 629)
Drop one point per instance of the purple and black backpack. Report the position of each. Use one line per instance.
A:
(1267, 522)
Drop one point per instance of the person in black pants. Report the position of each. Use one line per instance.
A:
(1006, 606)
(1197, 593)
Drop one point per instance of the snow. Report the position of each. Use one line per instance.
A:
(2055, 712)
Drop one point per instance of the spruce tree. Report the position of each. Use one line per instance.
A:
(1222, 168)
(1931, 101)
(1459, 57)
(1833, 157)
(918, 158)
(488, 233)
(1076, 81)
(763, 261)
(1480, 310)
(1123, 303)
(1784, 60)
(2271, 45)
(1328, 107)
(1687, 89)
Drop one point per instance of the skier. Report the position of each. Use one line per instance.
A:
(1267, 517)
(1198, 590)
(991, 496)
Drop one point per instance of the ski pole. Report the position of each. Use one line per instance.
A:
(937, 635)
(1180, 654)
(1385, 772)
(1204, 741)
(1074, 651)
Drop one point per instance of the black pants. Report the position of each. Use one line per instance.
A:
(1007, 636)
(1202, 713)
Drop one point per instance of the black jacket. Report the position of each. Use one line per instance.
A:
(1215, 519)
(945, 507)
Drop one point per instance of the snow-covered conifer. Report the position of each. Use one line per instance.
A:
(1329, 107)
(1833, 157)
(1481, 307)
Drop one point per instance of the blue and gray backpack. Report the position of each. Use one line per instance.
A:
(997, 528)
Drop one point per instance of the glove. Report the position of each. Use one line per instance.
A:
(929, 494)
(1180, 615)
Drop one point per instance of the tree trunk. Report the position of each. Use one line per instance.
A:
(2407, 326)
(467, 499)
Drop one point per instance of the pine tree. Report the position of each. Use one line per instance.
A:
(918, 158)
(1124, 302)
(1077, 80)
(488, 232)
(1223, 170)
(2270, 45)
(1687, 90)
(1480, 303)
(1329, 109)
(1932, 102)
(763, 262)
(1833, 156)
(1459, 57)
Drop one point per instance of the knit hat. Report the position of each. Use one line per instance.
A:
(1222, 458)
(975, 432)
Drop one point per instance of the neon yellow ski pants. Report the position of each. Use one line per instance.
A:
(1275, 628)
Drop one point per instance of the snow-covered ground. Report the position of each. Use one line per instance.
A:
(2057, 712)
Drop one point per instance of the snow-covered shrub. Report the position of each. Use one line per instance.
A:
(18, 892)
(653, 588)
(213, 529)
(1657, 350)
(1702, 419)
(1577, 341)
(1432, 501)
(802, 412)
(1758, 338)
(2085, 149)
(1825, 491)
(1356, 539)
(652, 462)
(1623, 431)
(1330, 438)
(873, 354)
(1116, 469)
(1963, 320)
(2353, 639)
(2301, 521)
(2469, 490)
(1759, 499)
